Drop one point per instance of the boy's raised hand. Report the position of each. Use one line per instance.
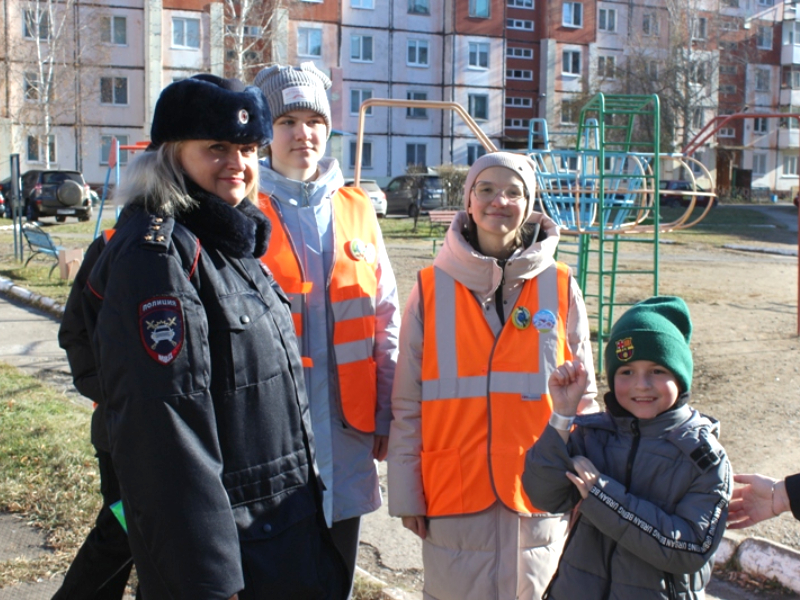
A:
(567, 385)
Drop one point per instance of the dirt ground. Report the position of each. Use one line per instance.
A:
(747, 364)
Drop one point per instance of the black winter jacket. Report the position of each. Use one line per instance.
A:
(206, 410)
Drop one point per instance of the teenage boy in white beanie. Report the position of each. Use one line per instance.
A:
(650, 480)
(327, 253)
(483, 328)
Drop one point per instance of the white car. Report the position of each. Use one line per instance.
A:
(375, 193)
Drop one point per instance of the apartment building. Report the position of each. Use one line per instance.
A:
(505, 61)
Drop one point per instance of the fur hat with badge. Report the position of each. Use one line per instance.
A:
(207, 107)
(522, 166)
(658, 329)
(296, 88)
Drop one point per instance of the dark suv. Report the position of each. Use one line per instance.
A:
(671, 193)
(56, 193)
(409, 193)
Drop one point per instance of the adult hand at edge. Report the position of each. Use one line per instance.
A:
(416, 525)
(380, 447)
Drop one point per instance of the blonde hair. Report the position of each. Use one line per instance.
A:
(157, 180)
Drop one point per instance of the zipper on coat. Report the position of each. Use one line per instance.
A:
(632, 454)
(499, 306)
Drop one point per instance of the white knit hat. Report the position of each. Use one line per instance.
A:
(295, 88)
(519, 163)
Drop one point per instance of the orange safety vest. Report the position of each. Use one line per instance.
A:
(352, 287)
(484, 399)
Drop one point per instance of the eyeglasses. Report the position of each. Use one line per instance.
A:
(486, 192)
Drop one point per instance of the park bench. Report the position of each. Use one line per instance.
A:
(41, 242)
(440, 218)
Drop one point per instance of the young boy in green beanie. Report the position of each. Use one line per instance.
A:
(649, 477)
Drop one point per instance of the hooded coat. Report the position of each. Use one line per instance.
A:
(496, 553)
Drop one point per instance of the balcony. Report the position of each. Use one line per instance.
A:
(790, 54)
(790, 97)
(788, 138)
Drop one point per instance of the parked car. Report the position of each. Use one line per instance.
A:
(677, 198)
(56, 193)
(408, 194)
(375, 193)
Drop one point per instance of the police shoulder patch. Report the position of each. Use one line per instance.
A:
(161, 328)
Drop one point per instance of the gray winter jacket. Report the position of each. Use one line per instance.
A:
(650, 526)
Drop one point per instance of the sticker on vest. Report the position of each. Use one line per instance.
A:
(521, 317)
(544, 321)
(299, 93)
(624, 349)
(161, 328)
(360, 250)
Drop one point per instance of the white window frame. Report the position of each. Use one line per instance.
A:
(765, 2)
(699, 28)
(726, 132)
(791, 33)
(360, 42)
(762, 79)
(572, 15)
(45, 27)
(568, 113)
(568, 67)
(727, 89)
(357, 96)
(728, 69)
(418, 45)
(105, 148)
(526, 4)
(521, 53)
(108, 29)
(650, 26)
(519, 24)
(472, 107)
(414, 112)
(760, 125)
(764, 39)
(419, 7)
(517, 123)
(759, 164)
(789, 165)
(474, 152)
(728, 25)
(51, 139)
(607, 20)
(605, 64)
(113, 79)
(478, 50)
(480, 9)
(519, 74)
(31, 87)
(366, 154)
(698, 117)
(184, 22)
(416, 146)
(306, 36)
(519, 102)
(363, 4)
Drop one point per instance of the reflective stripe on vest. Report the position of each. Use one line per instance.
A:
(484, 399)
(353, 285)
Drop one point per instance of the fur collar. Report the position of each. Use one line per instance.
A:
(239, 231)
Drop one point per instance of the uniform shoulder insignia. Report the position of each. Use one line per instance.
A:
(158, 234)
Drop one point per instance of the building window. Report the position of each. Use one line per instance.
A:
(417, 54)
(759, 164)
(650, 24)
(517, 123)
(571, 62)
(731, 3)
(479, 107)
(762, 80)
(606, 67)
(105, 148)
(366, 155)
(791, 78)
(727, 89)
(36, 25)
(474, 152)
(36, 150)
(526, 53)
(361, 48)
(790, 165)
(357, 96)
(728, 70)
(760, 125)
(309, 41)
(699, 28)
(569, 112)
(185, 33)
(697, 73)
(572, 14)
(114, 30)
(479, 8)
(479, 55)
(519, 102)
(416, 112)
(519, 4)
(764, 38)
(791, 32)
(419, 7)
(114, 90)
(697, 118)
(31, 87)
(727, 132)
(524, 74)
(765, 2)
(415, 155)
(362, 3)
(728, 25)
(607, 19)
(519, 24)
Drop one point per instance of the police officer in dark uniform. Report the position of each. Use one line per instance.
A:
(199, 370)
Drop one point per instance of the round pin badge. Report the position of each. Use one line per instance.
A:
(358, 249)
(521, 317)
(244, 117)
(544, 321)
